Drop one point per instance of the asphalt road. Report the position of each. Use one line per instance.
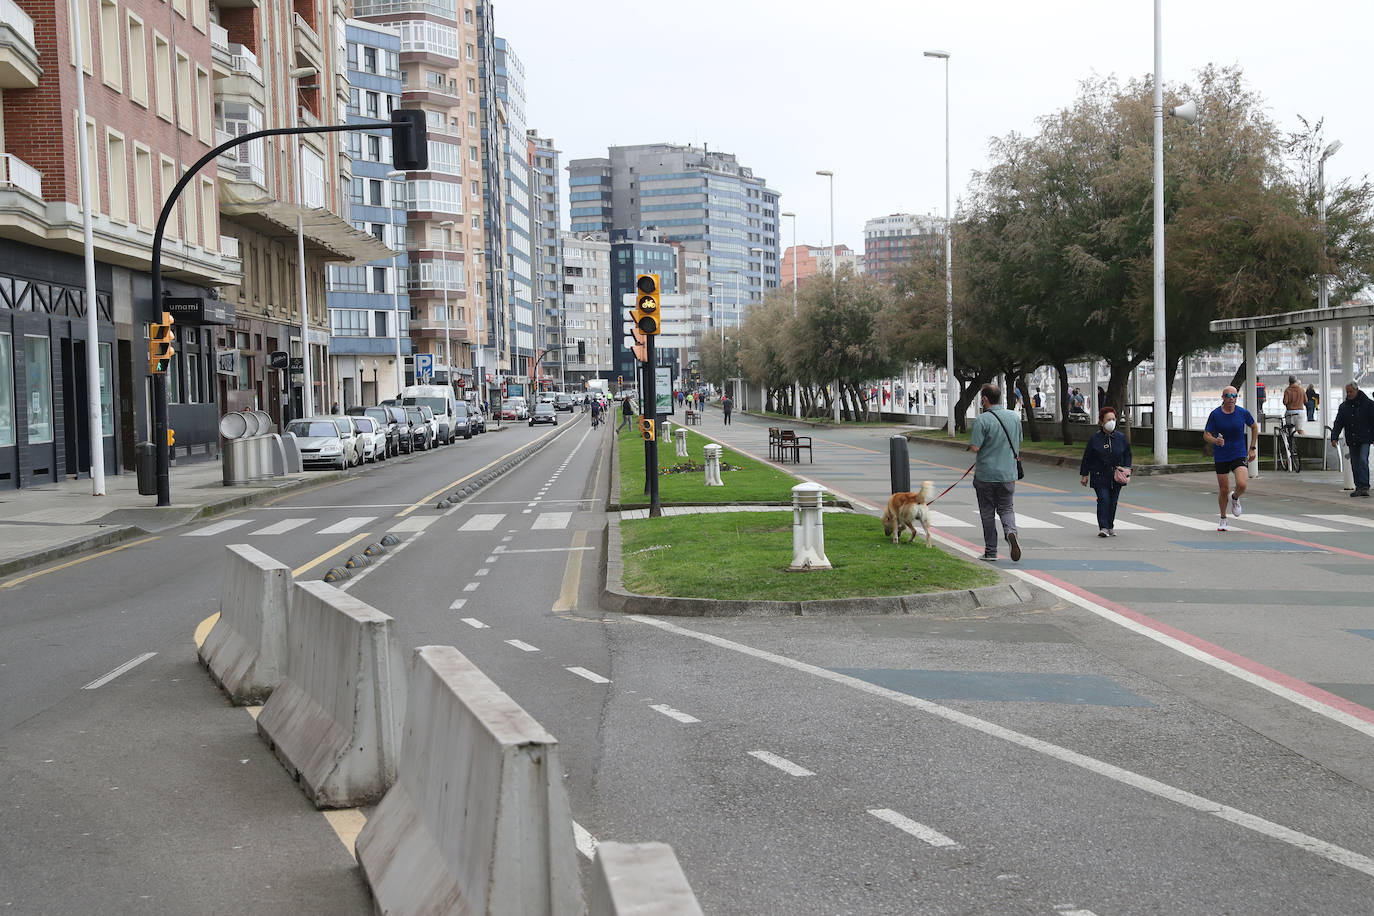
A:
(1045, 760)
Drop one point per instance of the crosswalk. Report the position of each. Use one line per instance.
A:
(543, 521)
(1165, 521)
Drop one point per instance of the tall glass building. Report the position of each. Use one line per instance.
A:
(508, 82)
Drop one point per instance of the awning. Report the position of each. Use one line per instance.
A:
(1361, 313)
(326, 234)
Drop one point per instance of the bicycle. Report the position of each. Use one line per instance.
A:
(1286, 457)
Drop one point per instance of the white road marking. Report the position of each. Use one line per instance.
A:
(216, 528)
(475, 623)
(353, 523)
(482, 572)
(544, 550)
(507, 539)
(1344, 519)
(1077, 911)
(1243, 819)
(482, 522)
(919, 831)
(782, 763)
(283, 526)
(491, 559)
(526, 511)
(522, 646)
(127, 666)
(414, 523)
(551, 521)
(457, 605)
(586, 843)
(1026, 521)
(472, 586)
(1091, 519)
(590, 675)
(1283, 524)
(942, 520)
(1184, 521)
(672, 713)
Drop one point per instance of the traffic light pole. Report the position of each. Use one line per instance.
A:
(649, 406)
(164, 494)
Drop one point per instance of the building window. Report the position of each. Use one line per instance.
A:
(204, 108)
(379, 280)
(471, 52)
(369, 60)
(143, 186)
(209, 209)
(372, 101)
(193, 378)
(117, 166)
(138, 62)
(169, 181)
(379, 324)
(87, 28)
(110, 57)
(185, 116)
(38, 373)
(472, 86)
(106, 391)
(6, 391)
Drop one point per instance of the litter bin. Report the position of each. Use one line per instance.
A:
(145, 464)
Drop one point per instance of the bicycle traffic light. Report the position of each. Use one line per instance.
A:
(160, 349)
(646, 428)
(409, 140)
(648, 298)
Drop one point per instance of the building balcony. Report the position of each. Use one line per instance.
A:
(19, 67)
(444, 9)
(19, 174)
(308, 50)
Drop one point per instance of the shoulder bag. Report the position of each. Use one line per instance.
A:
(1121, 476)
(1020, 471)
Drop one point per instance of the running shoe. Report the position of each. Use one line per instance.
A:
(1102, 533)
(1235, 506)
(1111, 532)
(1015, 547)
(989, 557)
(1221, 525)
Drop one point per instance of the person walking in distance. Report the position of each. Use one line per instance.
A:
(727, 405)
(996, 441)
(627, 411)
(1355, 416)
(1311, 402)
(1232, 450)
(1294, 399)
(1106, 451)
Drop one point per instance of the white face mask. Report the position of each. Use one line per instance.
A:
(1109, 425)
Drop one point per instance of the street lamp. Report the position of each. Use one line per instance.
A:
(396, 297)
(375, 392)
(834, 276)
(447, 227)
(951, 390)
(796, 385)
(298, 74)
(1324, 357)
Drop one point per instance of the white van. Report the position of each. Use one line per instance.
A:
(440, 400)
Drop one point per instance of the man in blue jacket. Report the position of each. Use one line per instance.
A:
(1228, 429)
(1355, 417)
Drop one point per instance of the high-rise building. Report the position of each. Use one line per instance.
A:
(544, 205)
(896, 240)
(508, 83)
(369, 306)
(586, 306)
(445, 235)
(815, 259)
(704, 200)
(491, 118)
(635, 252)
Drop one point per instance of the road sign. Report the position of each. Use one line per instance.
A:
(424, 365)
(278, 359)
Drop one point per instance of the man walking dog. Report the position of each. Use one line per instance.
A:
(996, 440)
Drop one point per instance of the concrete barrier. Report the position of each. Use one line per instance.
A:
(245, 651)
(478, 821)
(334, 721)
(640, 879)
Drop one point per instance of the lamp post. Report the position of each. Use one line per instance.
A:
(951, 385)
(796, 385)
(834, 275)
(396, 298)
(308, 399)
(1324, 356)
(375, 392)
(447, 226)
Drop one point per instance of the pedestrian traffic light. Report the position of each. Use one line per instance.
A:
(647, 301)
(646, 429)
(160, 349)
(409, 140)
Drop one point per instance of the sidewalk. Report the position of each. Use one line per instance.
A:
(41, 524)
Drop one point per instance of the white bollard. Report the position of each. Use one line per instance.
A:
(680, 440)
(713, 466)
(808, 532)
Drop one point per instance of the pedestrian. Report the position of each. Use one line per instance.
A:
(727, 405)
(1232, 450)
(1036, 400)
(1101, 397)
(996, 442)
(626, 412)
(1355, 416)
(335, 408)
(1077, 401)
(1259, 396)
(1293, 400)
(1107, 451)
(1311, 402)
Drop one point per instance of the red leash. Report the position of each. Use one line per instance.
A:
(956, 483)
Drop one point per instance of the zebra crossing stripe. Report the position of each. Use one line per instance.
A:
(482, 522)
(348, 525)
(283, 526)
(216, 528)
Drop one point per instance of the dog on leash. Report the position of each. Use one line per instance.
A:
(904, 510)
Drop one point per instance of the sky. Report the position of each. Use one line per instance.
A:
(792, 87)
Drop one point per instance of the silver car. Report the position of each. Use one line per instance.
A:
(321, 444)
(373, 438)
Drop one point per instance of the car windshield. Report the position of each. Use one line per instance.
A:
(462, 409)
(365, 424)
(543, 408)
(344, 428)
(437, 405)
(415, 416)
(304, 428)
(380, 415)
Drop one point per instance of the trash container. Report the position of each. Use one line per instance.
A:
(145, 464)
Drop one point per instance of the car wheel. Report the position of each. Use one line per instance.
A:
(467, 435)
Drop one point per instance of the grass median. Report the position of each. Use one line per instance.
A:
(751, 482)
(744, 555)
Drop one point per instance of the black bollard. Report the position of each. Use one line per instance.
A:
(899, 464)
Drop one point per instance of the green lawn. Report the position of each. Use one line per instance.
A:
(744, 555)
(1053, 445)
(753, 482)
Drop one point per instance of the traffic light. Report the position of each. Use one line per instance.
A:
(171, 437)
(647, 300)
(641, 354)
(409, 140)
(646, 428)
(160, 349)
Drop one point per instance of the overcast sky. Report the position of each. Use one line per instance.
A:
(792, 87)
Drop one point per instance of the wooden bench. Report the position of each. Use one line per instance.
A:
(692, 418)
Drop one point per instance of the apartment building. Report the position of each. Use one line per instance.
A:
(517, 326)
(893, 241)
(586, 306)
(815, 259)
(147, 78)
(548, 271)
(447, 278)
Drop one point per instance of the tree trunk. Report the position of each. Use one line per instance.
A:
(1061, 372)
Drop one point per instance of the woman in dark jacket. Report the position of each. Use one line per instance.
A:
(1106, 451)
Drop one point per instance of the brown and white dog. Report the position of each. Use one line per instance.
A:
(904, 510)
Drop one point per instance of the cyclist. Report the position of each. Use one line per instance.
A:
(1294, 403)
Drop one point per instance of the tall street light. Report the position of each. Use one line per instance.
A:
(396, 297)
(298, 74)
(447, 226)
(951, 385)
(1324, 356)
(834, 275)
(796, 385)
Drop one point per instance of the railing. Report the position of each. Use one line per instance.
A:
(18, 20)
(219, 35)
(243, 60)
(21, 175)
(444, 10)
(308, 31)
(229, 246)
(308, 118)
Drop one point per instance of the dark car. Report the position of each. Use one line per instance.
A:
(420, 428)
(543, 413)
(405, 430)
(386, 421)
(563, 401)
(477, 419)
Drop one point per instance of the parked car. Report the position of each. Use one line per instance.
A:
(421, 428)
(436, 434)
(403, 427)
(476, 418)
(348, 429)
(372, 437)
(321, 442)
(462, 420)
(544, 413)
(563, 401)
(387, 423)
(517, 403)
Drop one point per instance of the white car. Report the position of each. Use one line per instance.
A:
(348, 430)
(321, 443)
(373, 438)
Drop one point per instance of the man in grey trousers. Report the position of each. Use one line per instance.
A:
(996, 439)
